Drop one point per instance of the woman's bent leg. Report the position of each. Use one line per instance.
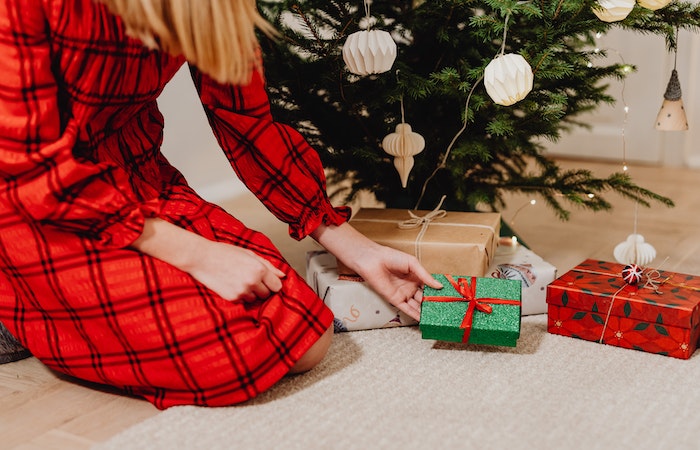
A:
(121, 318)
(315, 353)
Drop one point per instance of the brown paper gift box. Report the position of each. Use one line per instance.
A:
(450, 243)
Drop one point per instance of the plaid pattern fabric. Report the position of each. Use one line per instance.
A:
(81, 169)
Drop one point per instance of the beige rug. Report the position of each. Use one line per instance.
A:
(391, 389)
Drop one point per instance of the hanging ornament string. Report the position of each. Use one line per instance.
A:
(505, 35)
(625, 107)
(633, 250)
(675, 49)
(443, 162)
(367, 14)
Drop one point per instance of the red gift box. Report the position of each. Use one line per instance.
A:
(659, 315)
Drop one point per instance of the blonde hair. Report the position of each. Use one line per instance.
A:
(217, 36)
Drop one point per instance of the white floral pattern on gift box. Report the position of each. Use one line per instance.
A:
(535, 273)
(520, 272)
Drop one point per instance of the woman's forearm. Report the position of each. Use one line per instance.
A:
(232, 272)
(345, 242)
(169, 243)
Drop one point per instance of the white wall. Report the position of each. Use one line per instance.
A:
(189, 143)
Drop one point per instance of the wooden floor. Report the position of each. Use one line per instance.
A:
(40, 410)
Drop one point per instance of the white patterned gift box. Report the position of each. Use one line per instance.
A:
(521, 263)
(354, 304)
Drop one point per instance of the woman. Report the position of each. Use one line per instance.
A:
(113, 269)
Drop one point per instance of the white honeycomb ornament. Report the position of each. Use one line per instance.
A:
(508, 79)
(369, 52)
(634, 251)
(403, 144)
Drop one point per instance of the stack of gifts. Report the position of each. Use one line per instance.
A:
(454, 242)
(444, 242)
(652, 310)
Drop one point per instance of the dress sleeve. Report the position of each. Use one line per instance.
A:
(272, 159)
(40, 178)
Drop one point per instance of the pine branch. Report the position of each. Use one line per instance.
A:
(444, 46)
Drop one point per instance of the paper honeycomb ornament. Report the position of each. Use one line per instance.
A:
(369, 52)
(508, 79)
(653, 4)
(613, 10)
(634, 251)
(403, 144)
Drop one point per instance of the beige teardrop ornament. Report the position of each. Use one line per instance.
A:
(403, 144)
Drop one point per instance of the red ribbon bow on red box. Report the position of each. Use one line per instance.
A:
(468, 293)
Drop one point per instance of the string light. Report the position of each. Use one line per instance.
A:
(626, 69)
(517, 211)
(634, 243)
(512, 241)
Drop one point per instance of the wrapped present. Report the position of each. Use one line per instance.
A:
(520, 263)
(444, 242)
(354, 304)
(472, 309)
(660, 314)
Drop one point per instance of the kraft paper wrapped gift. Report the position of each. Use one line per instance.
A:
(522, 264)
(472, 310)
(354, 304)
(443, 241)
(659, 315)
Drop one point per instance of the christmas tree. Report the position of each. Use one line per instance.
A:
(475, 150)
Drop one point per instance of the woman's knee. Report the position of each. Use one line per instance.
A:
(315, 354)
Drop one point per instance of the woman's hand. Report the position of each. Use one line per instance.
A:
(232, 272)
(397, 276)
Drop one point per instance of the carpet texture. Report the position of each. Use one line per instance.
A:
(391, 389)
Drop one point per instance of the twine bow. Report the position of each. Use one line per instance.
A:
(653, 280)
(423, 222)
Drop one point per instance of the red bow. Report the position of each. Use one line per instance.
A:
(468, 293)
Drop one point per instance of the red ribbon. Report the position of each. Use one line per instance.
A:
(467, 291)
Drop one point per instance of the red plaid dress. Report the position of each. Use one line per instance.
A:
(80, 170)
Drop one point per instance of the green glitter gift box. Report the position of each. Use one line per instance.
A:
(472, 309)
